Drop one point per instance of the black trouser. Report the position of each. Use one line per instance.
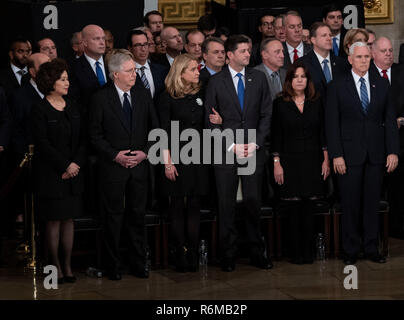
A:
(360, 189)
(396, 200)
(227, 183)
(124, 204)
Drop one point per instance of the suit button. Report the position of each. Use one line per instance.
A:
(242, 122)
(193, 110)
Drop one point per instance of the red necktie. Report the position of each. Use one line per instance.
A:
(385, 74)
(199, 67)
(295, 56)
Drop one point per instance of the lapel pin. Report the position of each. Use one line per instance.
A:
(334, 64)
(373, 86)
(249, 79)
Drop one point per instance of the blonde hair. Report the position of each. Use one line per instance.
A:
(174, 84)
(350, 35)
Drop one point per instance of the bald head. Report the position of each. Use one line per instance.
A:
(382, 53)
(173, 40)
(35, 61)
(93, 37)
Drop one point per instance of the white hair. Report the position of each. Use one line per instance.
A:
(116, 60)
(357, 45)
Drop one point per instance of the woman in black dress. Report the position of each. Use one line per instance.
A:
(300, 155)
(60, 153)
(184, 183)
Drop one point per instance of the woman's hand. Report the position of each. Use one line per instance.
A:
(278, 173)
(215, 118)
(170, 171)
(325, 169)
(73, 169)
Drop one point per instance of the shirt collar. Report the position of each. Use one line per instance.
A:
(357, 77)
(33, 83)
(321, 59)
(338, 36)
(234, 72)
(16, 69)
(212, 72)
(299, 48)
(380, 70)
(120, 92)
(170, 59)
(268, 69)
(146, 65)
(93, 61)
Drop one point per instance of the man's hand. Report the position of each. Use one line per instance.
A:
(65, 176)
(278, 173)
(339, 165)
(215, 118)
(73, 170)
(250, 149)
(139, 156)
(392, 162)
(126, 161)
(241, 150)
(325, 169)
(1, 148)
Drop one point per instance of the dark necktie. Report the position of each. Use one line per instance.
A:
(326, 70)
(295, 56)
(276, 82)
(144, 78)
(100, 74)
(335, 48)
(199, 67)
(364, 95)
(127, 109)
(240, 90)
(385, 76)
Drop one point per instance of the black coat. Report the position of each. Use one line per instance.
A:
(193, 178)
(10, 83)
(287, 62)
(352, 134)
(55, 150)
(5, 120)
(204, 76)
(110, 132)
(159, 74)
(256, 113)
(299, 140)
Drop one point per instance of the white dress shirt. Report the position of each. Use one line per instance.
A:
(388, 72)
(92, 62)
(321, 59)
(170, 59)
(17, 75)
(121, 93)
(33, 83)
(299, 48)
(148, 74)
(358, 83)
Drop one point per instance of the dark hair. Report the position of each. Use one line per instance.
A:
(134, 33)
(288, 91)
(222, 31)
(205, 44)
(191, 32)
(146, 17)
(49, 73)
(207, 22)
(36, 45)
(315, 26)
(16, 40)
(265, 42)
(233, 41)
(330, 8)
(265, 15)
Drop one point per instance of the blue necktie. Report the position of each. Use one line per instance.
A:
(335, 48)
(326, 70)
(364, 95)
(240, 90)
(127, 109)
(100, 74)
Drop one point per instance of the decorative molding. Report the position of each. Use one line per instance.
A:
(379, 11)
(182, 13)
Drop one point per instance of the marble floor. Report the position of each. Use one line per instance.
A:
(285, 281)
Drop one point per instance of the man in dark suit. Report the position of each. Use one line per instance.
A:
(121, 117)
(332, 16)
(272, 65)
(267, 30)
(150, 75)
(16, 72)
(241, 96)
(89, 71)
(5, 133)
(361, 129)
(214, 56)
(322, 65)
(294, 48)
(172, 39)
(193, 45)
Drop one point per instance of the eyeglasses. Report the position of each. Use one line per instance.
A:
(267, 24)
(143, 45)
(130, 71)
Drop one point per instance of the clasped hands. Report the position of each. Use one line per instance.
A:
(244, 150)
(130, 159)
(71, 171)
(391, 164)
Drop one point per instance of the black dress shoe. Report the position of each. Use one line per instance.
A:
(262, 263)
(377, 258)
(114, 275)
(71, 279)
(228, 265)
(349, 260)
(141, 273)
(61, 280)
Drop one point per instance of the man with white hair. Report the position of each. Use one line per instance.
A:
(121, 117)
(362, 138)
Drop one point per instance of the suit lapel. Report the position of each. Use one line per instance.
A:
(230, 88)
(317, 68)
(373, 94)
(351, 88)
(249, 83)
(133, 100)
(116, 106)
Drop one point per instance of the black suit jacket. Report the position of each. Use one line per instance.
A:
(287, 62)
(110, 131)
(23, 100)
(256, 113)
(159, 74)
(397, 73)
(10, 83)
(53, 153)
(162, 60)
(338, 70)
(5, 120)
(84, 81)
(204, 76)
(350, 132)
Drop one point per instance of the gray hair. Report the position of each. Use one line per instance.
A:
(357, 45)
(116, 60)
(290, 13)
